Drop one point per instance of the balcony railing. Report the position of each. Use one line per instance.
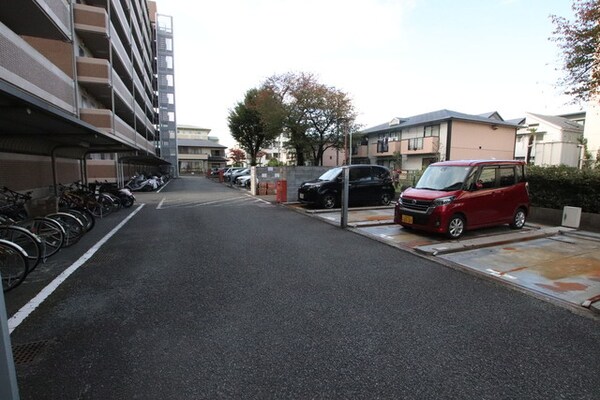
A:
(94, 75)
(423, 145)
(107, 121)
(24, 67)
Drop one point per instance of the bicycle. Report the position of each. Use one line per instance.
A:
(12, 212)
(28, 241)
(14, 265)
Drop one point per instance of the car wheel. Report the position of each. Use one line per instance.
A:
(456, 227)
(386, 199)
(328, 200)
(519, 219)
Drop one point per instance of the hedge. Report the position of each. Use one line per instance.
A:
(559, 186)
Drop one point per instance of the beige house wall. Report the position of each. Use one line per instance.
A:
(471, 141)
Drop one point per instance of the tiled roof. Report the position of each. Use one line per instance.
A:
(437, 116)
(559, 122)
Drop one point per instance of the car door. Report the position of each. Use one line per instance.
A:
(480, 204)
(506, 193)
(359, 184)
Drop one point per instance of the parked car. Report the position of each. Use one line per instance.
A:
(231, 170)
(454, 196)
(368, 185)
(238, 173)
(244, 181)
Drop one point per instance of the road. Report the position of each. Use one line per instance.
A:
(209, 293)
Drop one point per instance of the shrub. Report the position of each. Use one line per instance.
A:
(559, 186)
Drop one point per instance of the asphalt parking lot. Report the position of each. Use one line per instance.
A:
(557, 264)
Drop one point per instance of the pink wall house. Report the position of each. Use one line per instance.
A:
(414, 142)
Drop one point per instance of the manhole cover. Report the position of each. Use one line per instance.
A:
(26, 353)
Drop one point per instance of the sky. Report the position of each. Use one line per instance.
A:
(394, 58)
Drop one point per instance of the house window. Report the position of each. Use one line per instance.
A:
(169, 44)
(415, 144)
(431, 130)
(382, 145)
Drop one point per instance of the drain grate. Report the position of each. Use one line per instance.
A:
(26, 353)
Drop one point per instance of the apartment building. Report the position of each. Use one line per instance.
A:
(197, 151)
(78, 91)
(414, 142)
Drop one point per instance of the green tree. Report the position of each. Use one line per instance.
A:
(247, 126)
(578, 41)
(315, 116)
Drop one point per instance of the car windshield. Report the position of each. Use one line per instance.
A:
(330, 175)
(444, 178)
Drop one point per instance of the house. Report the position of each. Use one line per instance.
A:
(198, 152)
(412, 143)
(550, 140)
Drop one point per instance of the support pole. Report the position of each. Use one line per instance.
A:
(345, 183)
(8, 376)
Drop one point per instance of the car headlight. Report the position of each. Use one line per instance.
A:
(443, 201)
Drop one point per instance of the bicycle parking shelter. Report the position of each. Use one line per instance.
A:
(30, 126)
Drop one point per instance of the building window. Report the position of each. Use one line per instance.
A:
(171, 116)
(169, 61)
(169, 79)
(382, 146)
(415, 144)
(171, 98)
(432, 130)
(169, 44)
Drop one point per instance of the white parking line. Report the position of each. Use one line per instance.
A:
(34, 303)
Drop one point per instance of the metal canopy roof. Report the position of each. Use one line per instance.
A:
(29, 125)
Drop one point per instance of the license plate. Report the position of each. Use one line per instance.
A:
(407, 219)
(301, 195)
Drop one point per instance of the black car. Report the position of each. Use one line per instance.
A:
(368, 185)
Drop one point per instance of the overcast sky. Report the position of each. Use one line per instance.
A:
(393, 57)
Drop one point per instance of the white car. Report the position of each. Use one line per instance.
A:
(244, 181)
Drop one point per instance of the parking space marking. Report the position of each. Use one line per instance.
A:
(34, 303)
(166, 203)
(501, 274)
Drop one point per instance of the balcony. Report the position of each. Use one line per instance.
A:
(49, 19)
(421, 145)
(26, 68)
(92, 25)
(94, 75)
(121, 54)
(381, 149)
(360, 151)
(107, 121)
(424, 145)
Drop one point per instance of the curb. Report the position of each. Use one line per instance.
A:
(495, 240)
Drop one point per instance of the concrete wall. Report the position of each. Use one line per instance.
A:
(294, 177)
(550, 216)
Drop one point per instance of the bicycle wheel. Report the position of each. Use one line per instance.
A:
(50, 231)
(30, 242)
(84, 215)
(13, 265)
(74, 229)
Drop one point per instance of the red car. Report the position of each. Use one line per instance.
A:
(454, 196)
